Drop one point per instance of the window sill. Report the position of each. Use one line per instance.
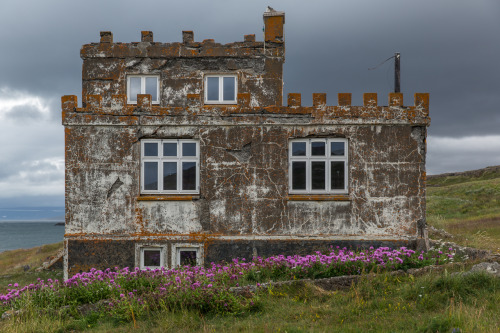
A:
(169, 197)
(318, 197)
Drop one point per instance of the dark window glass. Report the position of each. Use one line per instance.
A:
(170, 149)
(135, 88)
(298, 175)
(337, 148)
(152, 88)
(337, 177)
(152, 258)
(151, 176)
(189, 175)
(151, 149)
(170, 176)
(317, 148)
(187, 257)
(299, 148)
(212, 88)
(228, 88)
(318, 175)
(188, 149)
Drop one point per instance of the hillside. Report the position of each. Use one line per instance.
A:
(467, 205)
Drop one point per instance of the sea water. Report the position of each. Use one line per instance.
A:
(28, 234)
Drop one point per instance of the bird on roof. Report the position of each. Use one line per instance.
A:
(270, 9)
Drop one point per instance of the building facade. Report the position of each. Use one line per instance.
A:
(182, 153)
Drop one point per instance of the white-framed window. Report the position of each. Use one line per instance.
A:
(150, 256)
(220, 89)
(187, 254)
(143, 84)
(318, 165)
(170, 166)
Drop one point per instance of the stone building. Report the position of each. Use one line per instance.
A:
(183, 153)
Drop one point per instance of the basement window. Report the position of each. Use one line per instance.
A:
(152, 257)
(187, 255)
(220, 89)
(318, 166)
(143, 84)
(170, 166)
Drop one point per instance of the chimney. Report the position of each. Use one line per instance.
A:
(273, 26)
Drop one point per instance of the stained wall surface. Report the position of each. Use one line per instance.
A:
(244, 206)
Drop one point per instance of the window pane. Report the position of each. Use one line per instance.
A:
(188, 149)
(152, 258)
(151, 149)
(228, 88)
(152, 88)
(150, 175)
(170, 149)
(170, 176)
(187, 257)
(135, 88)
(299, 148)
(338, 171)
(337, 148)
(298, 175)
(189, 175)
(317, 148)
(318, 175)
(212, 88)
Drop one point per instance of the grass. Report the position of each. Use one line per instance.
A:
(432, 303)
(467, 206)
(13, 261)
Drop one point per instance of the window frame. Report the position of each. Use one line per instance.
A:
(175, 253)
(143, 87)
(327, 158)
(221, 89)
(179, 159)
(140, 248)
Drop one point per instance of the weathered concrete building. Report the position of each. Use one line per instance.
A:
(183, 152)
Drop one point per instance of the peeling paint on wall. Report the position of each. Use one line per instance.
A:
(244, 206)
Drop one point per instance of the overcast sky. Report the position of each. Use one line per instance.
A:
(449, 48)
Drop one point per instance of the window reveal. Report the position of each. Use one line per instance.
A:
(318, 166)
(220, 89)
(143, 84)
(170, 166)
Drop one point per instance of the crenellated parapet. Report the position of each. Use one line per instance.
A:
(395, 111)
(273, 45)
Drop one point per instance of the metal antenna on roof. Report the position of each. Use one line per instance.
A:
(397, 70)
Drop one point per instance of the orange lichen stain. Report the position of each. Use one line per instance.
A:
(317, 197)
(168, 198)
(140, 220)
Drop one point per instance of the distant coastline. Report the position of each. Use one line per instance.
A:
(25, 234)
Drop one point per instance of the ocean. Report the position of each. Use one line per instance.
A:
(27, 234)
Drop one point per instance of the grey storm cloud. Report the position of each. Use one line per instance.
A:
(449, 48)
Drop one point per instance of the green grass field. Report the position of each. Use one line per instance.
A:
(466, 206)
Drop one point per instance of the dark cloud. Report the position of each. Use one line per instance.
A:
(449, 48)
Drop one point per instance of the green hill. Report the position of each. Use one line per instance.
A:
(467, 205)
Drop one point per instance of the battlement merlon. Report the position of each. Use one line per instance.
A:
(272, 46)
(343, 113)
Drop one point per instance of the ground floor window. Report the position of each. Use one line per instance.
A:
(187, 254)
(150, 256)
(318, 165)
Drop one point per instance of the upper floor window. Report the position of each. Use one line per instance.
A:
(220, 89)
(143, 84)
(170, 166)
(318, 166)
